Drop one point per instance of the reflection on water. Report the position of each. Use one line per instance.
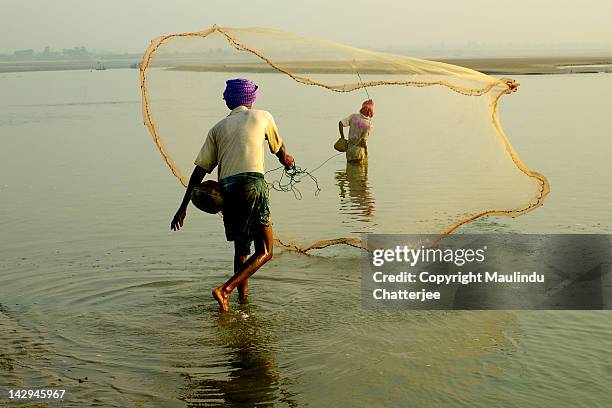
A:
(252, 379)
(356, 197)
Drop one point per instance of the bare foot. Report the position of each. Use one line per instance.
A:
(243, 299)
(222, 298)
(243, 292)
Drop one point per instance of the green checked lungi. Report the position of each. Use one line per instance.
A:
(246, 207)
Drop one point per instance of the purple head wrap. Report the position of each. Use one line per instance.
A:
(239, 92)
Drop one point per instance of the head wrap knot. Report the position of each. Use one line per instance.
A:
(239, 92)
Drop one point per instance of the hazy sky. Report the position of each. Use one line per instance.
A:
(129, 25)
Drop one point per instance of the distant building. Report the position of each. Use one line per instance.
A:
(48, 54)
(76, 52)
(24, 53)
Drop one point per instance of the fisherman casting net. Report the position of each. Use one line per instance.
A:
(438, 157)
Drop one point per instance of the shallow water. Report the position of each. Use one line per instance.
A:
(94, 287)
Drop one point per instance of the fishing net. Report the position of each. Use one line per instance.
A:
(438, 157)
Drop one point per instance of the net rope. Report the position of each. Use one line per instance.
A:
(419, 73)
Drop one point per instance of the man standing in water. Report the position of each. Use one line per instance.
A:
(360, 125)
(235, 145)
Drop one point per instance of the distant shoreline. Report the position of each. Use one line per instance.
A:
(7, 66)
(491, 66)
(535, 65)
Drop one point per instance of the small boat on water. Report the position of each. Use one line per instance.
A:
(100, 66)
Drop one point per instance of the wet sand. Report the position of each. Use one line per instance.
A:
(534, 66)
(492, 66)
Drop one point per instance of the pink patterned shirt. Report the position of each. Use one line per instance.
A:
(359, 131)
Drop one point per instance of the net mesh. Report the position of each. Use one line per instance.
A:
(439, 157)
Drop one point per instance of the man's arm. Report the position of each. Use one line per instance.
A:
(341, 129)
(284, 158)
(196, 178)
(274, 140)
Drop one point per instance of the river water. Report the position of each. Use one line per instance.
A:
(97, 296)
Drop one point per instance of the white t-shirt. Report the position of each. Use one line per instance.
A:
(359, 131)
(235, 143)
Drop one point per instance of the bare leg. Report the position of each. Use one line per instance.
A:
(264, 243)
(240, 257)
(243, 291)
(239, 260)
